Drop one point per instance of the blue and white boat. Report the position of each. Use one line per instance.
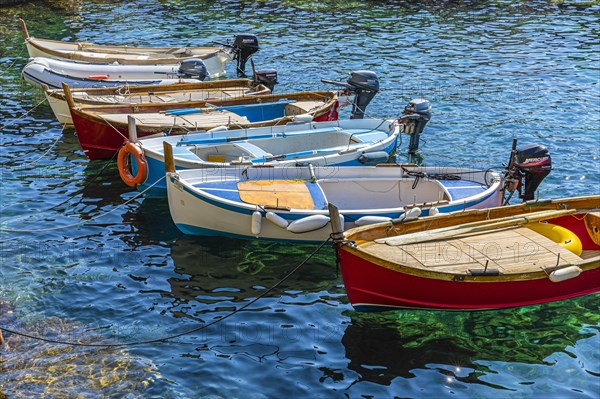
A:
(290, 203)
(352, 142)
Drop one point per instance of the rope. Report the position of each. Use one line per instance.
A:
(107, 163)
(15, 61)
(170, 337)
(49, 149)
(23, 116)
(109, 124)
(84, 221)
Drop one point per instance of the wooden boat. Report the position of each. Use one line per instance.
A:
(101, 130)
(347, 142)
(517, 255)
(167, 93)
(40, 72)
(214, 58)
(290, 203)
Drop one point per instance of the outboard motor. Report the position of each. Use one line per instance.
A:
(529, 165)
(363, 85)
(193, 69)
(244, 46)
(415, 116)
(267, 77)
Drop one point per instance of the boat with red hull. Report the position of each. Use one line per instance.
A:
(102, 129)
(509, 256)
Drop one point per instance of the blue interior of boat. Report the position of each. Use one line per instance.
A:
(460, 189)
(253, 112)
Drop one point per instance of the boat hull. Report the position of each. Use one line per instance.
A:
(215, 61)
(442, 263)
(372, 287)
(101, 139)
(219, 209)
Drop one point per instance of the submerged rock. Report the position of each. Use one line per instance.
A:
(30, 368)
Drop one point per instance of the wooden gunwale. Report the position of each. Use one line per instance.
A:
(94, 113)
(365, 235)
(162, 89)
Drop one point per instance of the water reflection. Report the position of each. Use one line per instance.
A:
(382, 347)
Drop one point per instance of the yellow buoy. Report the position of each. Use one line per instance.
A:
(560, 235)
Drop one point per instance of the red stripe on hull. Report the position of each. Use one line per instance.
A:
(368, 284)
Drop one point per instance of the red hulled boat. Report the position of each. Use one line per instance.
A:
(509, 256)
(102, 129)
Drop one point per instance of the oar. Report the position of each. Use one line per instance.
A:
(473, 227)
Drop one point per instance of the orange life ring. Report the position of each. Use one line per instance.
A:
(134, 150)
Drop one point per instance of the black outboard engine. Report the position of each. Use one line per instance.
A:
(363, 85)
(414, 117)
(529, 165)
(193, 69)
(534, 163)
(267, 77)
(244, 46)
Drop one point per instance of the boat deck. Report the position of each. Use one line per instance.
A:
(512, 250)
(163, 98)
(189, 121)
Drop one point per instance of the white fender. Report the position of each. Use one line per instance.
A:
(564, 274)
(365, 220)
(277, 220)
(433, 211)
(303, 118)
(413, 213)
(309, 223)
(256, 223)
(218, 129)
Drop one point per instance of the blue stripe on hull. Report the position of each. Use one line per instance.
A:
(199, 231)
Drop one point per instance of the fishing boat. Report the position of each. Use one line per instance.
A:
(502, 257)
(167, 93)
(290, 203)
(344, 142)
(102, 130)
(214, 58)
(40, 72)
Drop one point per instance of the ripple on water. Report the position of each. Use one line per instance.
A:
(492, 70)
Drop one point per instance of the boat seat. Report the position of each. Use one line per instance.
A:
(252, 150)
(297, 194)
(184, 153)
(459, 189)
(367, 135)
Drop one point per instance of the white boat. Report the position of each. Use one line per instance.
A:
(214, 58)
(41, 71)
(343, 142)
(161, 94)
(290, 203)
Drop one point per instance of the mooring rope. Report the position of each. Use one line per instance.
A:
(49, 149)
(14, 62)
(24, 115)
(170, 337)
(3, 229)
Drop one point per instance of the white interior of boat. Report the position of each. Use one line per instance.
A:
(291, 145)
(355, 194)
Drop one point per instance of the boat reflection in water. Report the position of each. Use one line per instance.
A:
(466, 347)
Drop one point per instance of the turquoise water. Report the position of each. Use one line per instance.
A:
(492, 70)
